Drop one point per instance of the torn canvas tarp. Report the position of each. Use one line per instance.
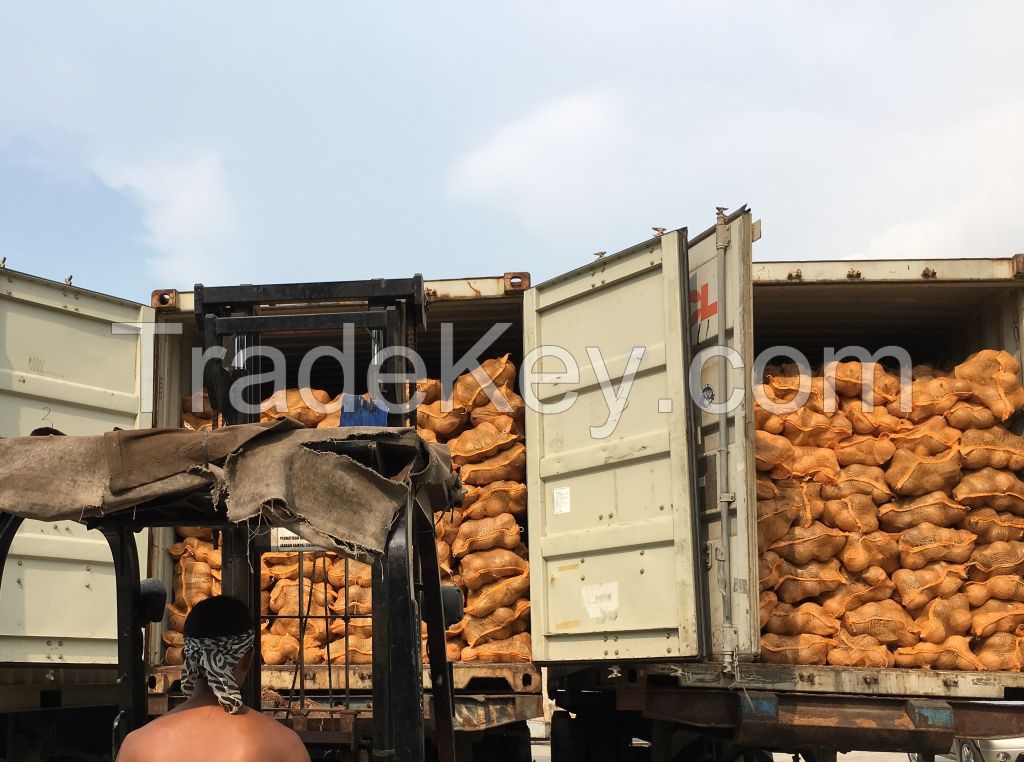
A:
(335, 487)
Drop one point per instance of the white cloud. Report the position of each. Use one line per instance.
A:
(188, 212)
(549, 167)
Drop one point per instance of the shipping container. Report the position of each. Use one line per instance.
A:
(641, 521)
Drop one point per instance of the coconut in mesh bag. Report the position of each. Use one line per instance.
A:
(769, 570)
(818, 464)
(995, 559)
(798, 583)
(874, 422)
(1002, 651)
(514, 649)
(991, 488)
(911, 475)
(872, 585)
(483, 441)
(970, 415)
(876, 549)
(886, 621)
(935, 508)
(478, 569)
(507, 465)
(774, 454)
(816, 542)
(942, 618)
(992, 526)
(1003, 587)
(855, 513)
(494, 499)
(806, 619)
(933, 396)
(926, 543)
(864, 450)
(952, 654)
(766, 605)
(997, 616)
(794, 649)
(857, 479)
(994, 447)
(930, 437)
(500, 531)
(774, 519)
(859, 651)
(996, 377)
(805, 428)
(936, 580)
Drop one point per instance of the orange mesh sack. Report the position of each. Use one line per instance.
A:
(864, 450)
(427, 435)
(446, 525)
(934, 396)
(286, 566)
(471, 389)
(805, 619)
(774, 454)
(970, 415)
(453, 650)
(286, 596)
(934, 508)
(442, 418)
(817, 464)
(997, 616)
(278, 649)
(991, 526)
(911, 475)
(176, 617)
(360, 628)
(1004, 587)
(500, 624)
(872, 422)
(798, 583)
(444, 557)
(859, 651)
(941, 618)
(508, 465)
(509, 404)
(929, 437)
(805, 495)
(482, 442)
(806, 428)
(360, 601)
(193, 582)
(994, 447)
(766, 488)
(1002, 651)
(494, 499)
(307, 406)
(769, 570)
(856, 513)
(996, 558)
(430, 388)
(360, 651)
(862, 551)
(954, 653)
(921, 545)
(774, 519)
(200, 533)
(996, 377)
(886, 621)
(515, 649)
(848, 379)
(173, 639)
(857, 479)
(478, 569)
(359, 573)
(937, 580)
(874, 585)
(766, 604)
(495, 595)
(794, 649)
(785, 389)
(816, 542)
(501, 531)
(767, 421)
(989, 488)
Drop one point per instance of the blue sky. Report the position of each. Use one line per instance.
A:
(147, 145)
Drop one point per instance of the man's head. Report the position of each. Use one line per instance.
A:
(218, 648)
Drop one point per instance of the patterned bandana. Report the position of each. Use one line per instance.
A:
(214, 659)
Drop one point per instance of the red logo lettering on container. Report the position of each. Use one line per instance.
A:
(705, 307)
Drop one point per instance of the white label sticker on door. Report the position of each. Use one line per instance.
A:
(562, 500)
(601, 600)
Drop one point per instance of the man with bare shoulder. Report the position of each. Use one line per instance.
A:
(214, 723)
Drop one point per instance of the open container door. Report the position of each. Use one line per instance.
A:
(613, 553)
(722, 337)
(81, 363)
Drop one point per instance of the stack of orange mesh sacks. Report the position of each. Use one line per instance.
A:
(196, 576)
(480, 546)
(892, 537)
